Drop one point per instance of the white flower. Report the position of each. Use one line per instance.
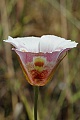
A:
(47, 47)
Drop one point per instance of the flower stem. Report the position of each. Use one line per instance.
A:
(36, 88)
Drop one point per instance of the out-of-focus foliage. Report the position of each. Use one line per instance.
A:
(60, 99)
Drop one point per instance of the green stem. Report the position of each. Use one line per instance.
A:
(35, 101)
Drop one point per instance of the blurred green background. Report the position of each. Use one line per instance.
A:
(60, 98)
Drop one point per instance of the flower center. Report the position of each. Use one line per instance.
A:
(39, 63)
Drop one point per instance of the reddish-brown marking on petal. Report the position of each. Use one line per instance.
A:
(40, 64)
(44, 74)
(39, 76)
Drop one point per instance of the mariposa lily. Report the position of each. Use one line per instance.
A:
(40, 56)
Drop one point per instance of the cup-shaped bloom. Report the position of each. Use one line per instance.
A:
(40, 56)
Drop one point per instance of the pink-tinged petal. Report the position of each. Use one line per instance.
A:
(38, 67)
(60, 55)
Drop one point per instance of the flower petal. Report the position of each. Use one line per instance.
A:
(50, 43)
(37, 66)
(39, 57)
(11, 41)
(45, 44)
(31, 44)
